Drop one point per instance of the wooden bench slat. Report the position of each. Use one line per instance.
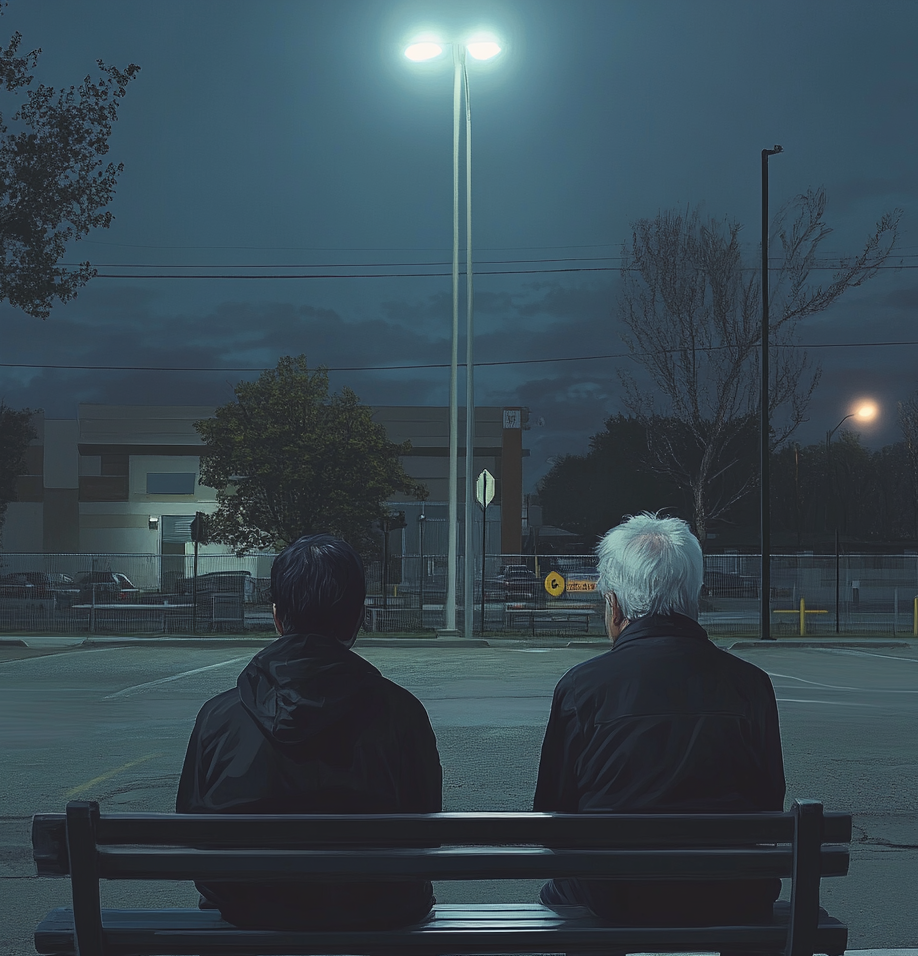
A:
(512, 928)
(452, 863)
(588, 830)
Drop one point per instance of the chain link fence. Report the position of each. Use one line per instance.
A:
(516, 595)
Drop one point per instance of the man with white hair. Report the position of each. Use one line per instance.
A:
(664, 722)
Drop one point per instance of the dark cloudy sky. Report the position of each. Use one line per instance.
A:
(293, 133)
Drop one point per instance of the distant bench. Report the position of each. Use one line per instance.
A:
(550, 617)
(89, 846)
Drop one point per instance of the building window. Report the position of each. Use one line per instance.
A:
(170, 483)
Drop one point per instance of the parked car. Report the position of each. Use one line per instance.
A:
(56, 588)
(729, 584)
(105, 587)
(513, 582)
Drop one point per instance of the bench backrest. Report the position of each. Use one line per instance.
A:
(444, 846)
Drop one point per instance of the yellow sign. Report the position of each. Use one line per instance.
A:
(554, 584)
(581, 585)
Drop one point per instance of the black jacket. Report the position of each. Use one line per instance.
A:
(311, 727)
(663, 722)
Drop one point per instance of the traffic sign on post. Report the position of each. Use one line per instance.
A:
(555, 584)
(484, 488)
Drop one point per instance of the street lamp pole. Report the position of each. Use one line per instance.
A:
(453, 489)
(865, 413)
(469, 574)
(765, 451)
(482, 48)
(832, 498)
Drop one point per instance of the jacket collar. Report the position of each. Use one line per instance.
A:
(661, 625)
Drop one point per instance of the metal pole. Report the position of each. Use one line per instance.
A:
(833, 496)
(484, 553)
(468, 598)
(194, 589)
(423, 571)
(385, 565)
(837, 577)
(765, 450)
(453, 509)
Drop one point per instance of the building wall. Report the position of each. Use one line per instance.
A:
(88, 488)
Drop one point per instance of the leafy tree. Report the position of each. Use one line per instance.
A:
(288, 459)
(16, 431)
(590, 493)
(868, 493)
(692, 309)
(53, 185)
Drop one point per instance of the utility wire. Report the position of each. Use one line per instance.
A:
(438, 365)
(434, 275)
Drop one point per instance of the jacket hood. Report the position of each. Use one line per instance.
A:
(302, 684)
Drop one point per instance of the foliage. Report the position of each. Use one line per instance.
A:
(692, 308)
(867, 494)
(588, 494)
(908, 422)
(53, 185)
(16, 431)
(288, 459)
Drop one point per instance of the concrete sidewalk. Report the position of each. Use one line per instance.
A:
(492, 640)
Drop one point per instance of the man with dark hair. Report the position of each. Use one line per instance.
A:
(664, 722)
(311, 727)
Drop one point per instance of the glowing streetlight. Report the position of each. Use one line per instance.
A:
(867, 412)
(479, 47)
(423, 50)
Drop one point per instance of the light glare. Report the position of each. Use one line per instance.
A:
(867, 412)
(425, 50)
(483, 49)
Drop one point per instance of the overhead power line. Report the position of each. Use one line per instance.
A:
(435, 365)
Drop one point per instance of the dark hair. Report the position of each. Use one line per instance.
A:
(318, 587)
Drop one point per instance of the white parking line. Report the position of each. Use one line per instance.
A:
(866, 690)
(831, 703)
(137, 688)
(888, 657)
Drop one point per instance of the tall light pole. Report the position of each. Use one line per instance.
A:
(480, 48)
(867, 412)
(765, 451)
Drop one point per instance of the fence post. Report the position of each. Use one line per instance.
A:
(915, 618)
(802, 618)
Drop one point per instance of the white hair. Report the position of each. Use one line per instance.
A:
(653, 566)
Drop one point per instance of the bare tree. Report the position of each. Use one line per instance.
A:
(692, 309)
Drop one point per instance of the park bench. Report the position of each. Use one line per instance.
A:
(555, 618)
(89, 846)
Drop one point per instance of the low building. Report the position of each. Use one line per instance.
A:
(123, 479)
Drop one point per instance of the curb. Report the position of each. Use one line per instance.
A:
(799, 643)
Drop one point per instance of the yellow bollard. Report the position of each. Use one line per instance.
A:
(802, 618)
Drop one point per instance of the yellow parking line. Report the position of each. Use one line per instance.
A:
(108, 775)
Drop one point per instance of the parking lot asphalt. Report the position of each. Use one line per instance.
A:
(846, 708)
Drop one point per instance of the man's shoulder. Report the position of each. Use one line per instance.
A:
(398, 695)
(219, 707)
(741, 667)
(599, 669)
